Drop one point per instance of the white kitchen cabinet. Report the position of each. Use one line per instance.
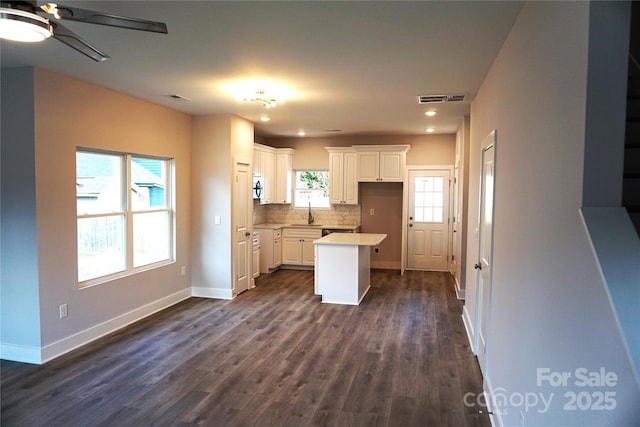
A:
(255, 265)
(343, 185)
(381, 163)
(270, 249)
(257, 161)
(264, 167)
(284, 175)
(297, 246)
(268, 177)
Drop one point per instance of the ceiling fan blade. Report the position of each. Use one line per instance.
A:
(68, 37)
(94, 17)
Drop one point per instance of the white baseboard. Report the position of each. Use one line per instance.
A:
(72, 342)
(469, 328)
(217, 293)
(51, 351)
(459, 292)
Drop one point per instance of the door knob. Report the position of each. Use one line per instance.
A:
(410, 225)
(478, 266)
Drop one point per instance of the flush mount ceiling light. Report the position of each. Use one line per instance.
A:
(301, 133)
(264, 92)
(21, 26)
(261, 97)
(265, 118)
(430, 113)
(430, 130)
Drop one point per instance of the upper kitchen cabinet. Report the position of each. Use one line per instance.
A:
(343, 185)
(284, 175)
(264, 167)
(381, 163)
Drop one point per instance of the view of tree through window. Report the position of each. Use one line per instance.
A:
(312, 187)
(121, 225)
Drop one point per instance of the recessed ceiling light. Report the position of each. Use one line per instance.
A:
(301, 133)
(430, 113)
(430, 130)
(265, 118)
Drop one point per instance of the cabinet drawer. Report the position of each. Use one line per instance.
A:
(302, 233)
(277, 233)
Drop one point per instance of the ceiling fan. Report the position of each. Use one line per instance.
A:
(22, 21)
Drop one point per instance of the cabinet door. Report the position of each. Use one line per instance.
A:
(350, 183)
(308, 255)
(283, 178)
(391, 166)
(368, 166)
(291, 250)
(268, 177)
(257, 162)
(277, 252)
(336, 182)
(256, 261)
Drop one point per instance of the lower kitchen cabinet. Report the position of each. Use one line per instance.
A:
(255, 266)
(270, 249)
(297, 246)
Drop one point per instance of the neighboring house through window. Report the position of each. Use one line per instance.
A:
(125, 214)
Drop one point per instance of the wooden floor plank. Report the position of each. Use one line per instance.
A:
(274, 356)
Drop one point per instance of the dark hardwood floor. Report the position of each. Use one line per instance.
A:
(275, 356)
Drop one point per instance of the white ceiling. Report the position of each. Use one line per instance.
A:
(356, 67)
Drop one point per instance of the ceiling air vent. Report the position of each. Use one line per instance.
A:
(431, 99)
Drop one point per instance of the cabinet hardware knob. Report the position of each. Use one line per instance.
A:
(478, 266)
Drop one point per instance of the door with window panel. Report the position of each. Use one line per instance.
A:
(428, 214)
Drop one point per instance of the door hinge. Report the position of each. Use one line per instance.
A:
(453, 258)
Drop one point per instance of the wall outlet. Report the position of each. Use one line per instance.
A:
(216, 220)
(63, 311)
(376, 250)
(183, 270)
(372, 211)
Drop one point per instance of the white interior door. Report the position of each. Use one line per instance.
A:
(242, 242)
(485, 250)
(428, 215)
(456, 234)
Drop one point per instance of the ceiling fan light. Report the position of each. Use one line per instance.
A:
(21, 26)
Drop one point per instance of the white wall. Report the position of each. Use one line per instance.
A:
(69, 113)
(216, 141)
(550, 307)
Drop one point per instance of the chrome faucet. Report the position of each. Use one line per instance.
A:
(310, 218)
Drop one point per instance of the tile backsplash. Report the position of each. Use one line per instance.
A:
(287, 214)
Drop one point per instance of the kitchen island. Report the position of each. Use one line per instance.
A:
(343, 266)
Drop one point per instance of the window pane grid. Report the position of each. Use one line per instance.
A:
(428, 199)
(125, 220)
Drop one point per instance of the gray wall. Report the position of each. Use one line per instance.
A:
(20, 304)
(550, 307)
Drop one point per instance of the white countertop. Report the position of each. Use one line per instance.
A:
(275, 226)
(357, 239)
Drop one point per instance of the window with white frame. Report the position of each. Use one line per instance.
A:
(311, 189)
(125, 214)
